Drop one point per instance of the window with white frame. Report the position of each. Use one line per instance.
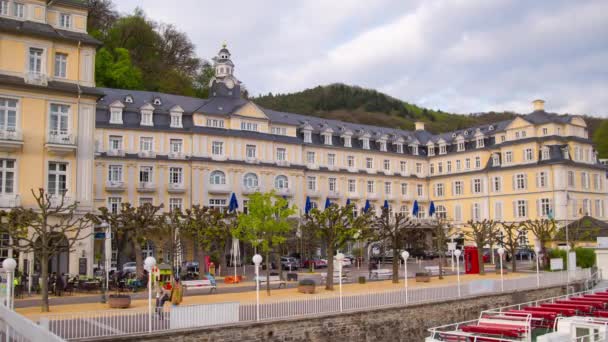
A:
(4, 7)
(65, 20)
(115, 173)
(57, 178)
(365, 143)
(332, 184)
(440, 167)
(311, 183)
(545, 153)
(476, 212)
(176, 120)
(521, 181)
(439, 190)
(176, 175)
(467, 163)
(460, 146)
(115, 143)
(541, 179)
(545, 131)
(480, 142)
(327, 139)
(249, 126)
(352, 185)
(369, 163)
(19, 10)
(281, 154)
(420, 190)
(251, 151)
(441, 212)
(278, 130)
(577, 153)
(8, 114)
(216, 123)
(458, 188)
(498, 216)
(348, 141)
(496, 184)
(443, 149)
(217, 148)
(146, 144)
(218, 204)
(457, 213)
(403, 210)
(528, 154)
(477, 162)
(250, 180)
(419, 169)
(350, 161)
(387, 164)
(331, 159)
(35, 60)
(175, 204)
(495, 159)
(404, 189)
(176, 145)
(145, 174)
(585, 180)
(432, 168)
(308, 137)
(571, 178)
(281, 182)
(449, 166)
(458, 165)
(60, 118)
(414, 149)
(421, 212)
(508, 157)
(521, 208)
(597, 182)
(431, 149)
(146, 118)
(403, 166)
(61, 65)
(382, 146)
(116, 116)
(399, 148)
(7, 176)
(599, 208)
(371, 187)
(114, 204)
(545, 207)
(477, 189)
(388, 188)
(217, 177)
(310, 157)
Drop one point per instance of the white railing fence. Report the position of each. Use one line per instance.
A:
(14, 327)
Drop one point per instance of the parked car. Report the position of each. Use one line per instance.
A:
(129, 267)
(289, 263)
(316, 261)
(345, 262)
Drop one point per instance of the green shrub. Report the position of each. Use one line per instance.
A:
(585, 257)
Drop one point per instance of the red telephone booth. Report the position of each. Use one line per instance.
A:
(471, 260)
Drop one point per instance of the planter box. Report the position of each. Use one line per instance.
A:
(119, 301)
(423, 278)
(362, 280)
(310, 289)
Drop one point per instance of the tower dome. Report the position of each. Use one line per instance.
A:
(224, 83)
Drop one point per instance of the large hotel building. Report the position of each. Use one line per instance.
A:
(110, 146)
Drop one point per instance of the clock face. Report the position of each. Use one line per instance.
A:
(229, 83)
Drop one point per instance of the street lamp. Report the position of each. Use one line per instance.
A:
(537, 250)
(149, 264)
(9, 265)
(107, 253)
(457, 254)
(405, 255)
(257, 260)
(568, 264)
(501, 252)
(339, 259)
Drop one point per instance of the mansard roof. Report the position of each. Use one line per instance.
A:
(45, 31)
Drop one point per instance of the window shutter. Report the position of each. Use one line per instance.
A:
(538, 180)
(525, 181)
(514, 209)
(538, 209)
(453, 188)
(514, 182)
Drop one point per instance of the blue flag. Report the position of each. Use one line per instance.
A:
(348, 201)
(327, 203)
(234, 204)
(367, 206)
(308, 205)
(386, 204)
(415, 209)
(432, 209)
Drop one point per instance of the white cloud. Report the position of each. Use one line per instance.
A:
(461, 56)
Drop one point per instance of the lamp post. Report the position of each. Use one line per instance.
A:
(149, 264)
(537, 250)
(340, 259)
(457, 254)
(107, 254)
(501, 252)
(568, 265)
(405, 255)
(9, 265)
(257, 260)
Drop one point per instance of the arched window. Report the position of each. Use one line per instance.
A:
(250, 180)
(281, 182)
(441, 212)
(217, 178)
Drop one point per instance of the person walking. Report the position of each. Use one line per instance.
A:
(176, 292)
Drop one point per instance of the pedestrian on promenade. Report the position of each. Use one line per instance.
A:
(176, 292)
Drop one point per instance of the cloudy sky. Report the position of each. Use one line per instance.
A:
(458, 55)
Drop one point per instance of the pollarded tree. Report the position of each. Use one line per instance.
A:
(510, 240)
(544, 230)
(335, 226)
(50, 228)
(136, 224)
(482, 233)
(265, 225)
(393, 229)
(203, 226)
(441, 230)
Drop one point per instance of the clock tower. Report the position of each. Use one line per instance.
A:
(224, 83)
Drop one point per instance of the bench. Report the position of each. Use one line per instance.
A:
(433, 270)
(271, 280)
(383, 272)
(200, 284)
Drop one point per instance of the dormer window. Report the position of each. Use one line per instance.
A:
(399, 148)
(129, 99)
(495, 159)
(176, 120)
(460, 146)
(348, 141)
(545, 153)
(65, 20)
(414, 149)
(157, 101)
(382, 146)
(443, 149)
(566, 153)
(146, 118)
(327, 139)
(491, 128)
(365, 142)
(116, 116)
(308, 137)
(480, 142)
(466, 133)
(431, 150)
(249, 126)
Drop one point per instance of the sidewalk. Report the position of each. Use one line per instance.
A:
(248, 296)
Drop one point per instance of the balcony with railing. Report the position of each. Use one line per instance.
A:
(10, 140)
(284, 163)
(177, 155)
(116, 186)
(36, 78)
(146, 154)
(219, 188)
(313, 193)
(334, 195)
(116, 153)
(56, 201)
(176, 188)
(372, 196)
(353, 195)
(248, 190)
(146, 187)
(9, 200)
(60, 143)
(284, 192)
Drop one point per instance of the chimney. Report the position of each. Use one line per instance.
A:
(419, 125)
(538, 104)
